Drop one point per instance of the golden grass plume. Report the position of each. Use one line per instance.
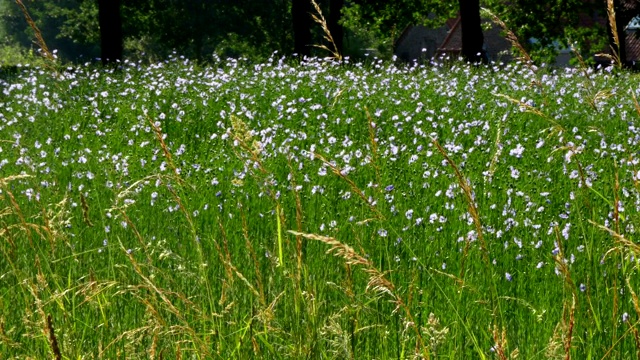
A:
(320, 20)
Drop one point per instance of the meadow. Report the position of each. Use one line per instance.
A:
(319, 210)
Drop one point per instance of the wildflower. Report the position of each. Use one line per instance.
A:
(433, 217)
(517, 242)
(565, 231)
(517, 151)
(409, 214)
(514, 172)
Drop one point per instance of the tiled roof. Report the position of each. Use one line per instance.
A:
(452, 44)
(403, 35)
(630, 5)
(632, 47)
(630, 9)
(451, 23)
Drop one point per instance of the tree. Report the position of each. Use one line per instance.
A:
(57, 21)
(153, 29)
(391, 17)
(302, 22)
(110, 30)
(543, 27)
(378, 23)
(472, 37)
(337, 32)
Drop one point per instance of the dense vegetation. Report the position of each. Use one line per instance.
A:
(317, 209)
(152, 29)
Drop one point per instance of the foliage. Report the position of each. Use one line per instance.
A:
(379, 23)
(157, 28)
(153, 29)
(554, 25)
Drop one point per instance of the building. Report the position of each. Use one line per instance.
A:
(421, 43)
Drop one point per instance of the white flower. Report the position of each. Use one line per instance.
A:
(517, 151)
(409, 214)
(565, 231)
(514, 172)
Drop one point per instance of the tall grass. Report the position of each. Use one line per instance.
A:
(319, 210)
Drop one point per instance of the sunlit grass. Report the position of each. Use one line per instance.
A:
(316, 209)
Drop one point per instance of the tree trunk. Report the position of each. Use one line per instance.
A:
(337, 32)
(301, 15)
(110, 30)
(472, 37)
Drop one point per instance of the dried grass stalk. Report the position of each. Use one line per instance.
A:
(378, 283)
(53, 341)
(319, 18)
(39, 39)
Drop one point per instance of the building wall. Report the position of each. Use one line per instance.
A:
(497, 47)
(417, 38)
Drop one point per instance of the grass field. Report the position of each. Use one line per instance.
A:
(318, 210)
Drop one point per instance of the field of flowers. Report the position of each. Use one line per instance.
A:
(319, 210)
